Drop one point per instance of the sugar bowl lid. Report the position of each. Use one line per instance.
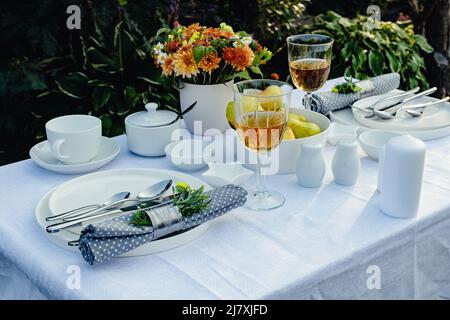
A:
(152, 117)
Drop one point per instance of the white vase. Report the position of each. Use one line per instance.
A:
(310, 165)
(346, 164)
(210, 111)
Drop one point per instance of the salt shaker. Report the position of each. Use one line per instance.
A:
(310, 165)
(401, 176)
(346, 163)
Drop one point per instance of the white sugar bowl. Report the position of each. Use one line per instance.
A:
(148, 132)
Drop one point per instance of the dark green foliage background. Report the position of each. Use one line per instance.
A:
(105, 69)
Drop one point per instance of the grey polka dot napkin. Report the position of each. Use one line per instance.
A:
(324, 102)
(108, 239)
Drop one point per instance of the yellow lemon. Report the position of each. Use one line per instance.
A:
(303, 129)
(268, 101)
(288, 134)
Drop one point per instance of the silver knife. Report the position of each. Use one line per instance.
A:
(110, 214)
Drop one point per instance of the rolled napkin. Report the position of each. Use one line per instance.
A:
(108, 239)
(324, 102)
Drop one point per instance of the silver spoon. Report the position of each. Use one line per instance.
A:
(415, 113)
(149, 193)
(386, 114)
(92, 207)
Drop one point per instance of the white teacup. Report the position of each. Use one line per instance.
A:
(74, 138)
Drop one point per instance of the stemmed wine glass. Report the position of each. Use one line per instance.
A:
(309, 58)
(261, 109)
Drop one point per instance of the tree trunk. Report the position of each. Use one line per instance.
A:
(437, 31)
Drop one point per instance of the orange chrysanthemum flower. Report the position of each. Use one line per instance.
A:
(189, 31)
(240, 58)
(168, 65)
(184, 64)
(210, 62)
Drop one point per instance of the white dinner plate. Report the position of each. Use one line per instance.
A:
(144, 177)
(434, 117)
(43, 157)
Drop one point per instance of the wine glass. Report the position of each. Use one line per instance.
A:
(309, 57)
(261, 109)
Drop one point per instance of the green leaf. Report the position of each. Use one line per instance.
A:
(161, 31)
(74, 85)
(257, 70)
(376, 62)
(394, 63)
(423, 44)
(106, 121)
(199, 52)
(100, 96)
(243, 74)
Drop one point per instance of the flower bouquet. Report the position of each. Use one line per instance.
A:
(205, 61)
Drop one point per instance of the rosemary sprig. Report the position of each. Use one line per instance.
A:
(188, 201)
(346, 87)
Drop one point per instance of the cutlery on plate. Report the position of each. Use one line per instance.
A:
(109, 214)
(86, 209)
(149, 193)
(394, 106)
(403, 95)
(415, 113)
(391, 112)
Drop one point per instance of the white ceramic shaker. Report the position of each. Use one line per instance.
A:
(346, 164)
(401, 176)
(310, 165)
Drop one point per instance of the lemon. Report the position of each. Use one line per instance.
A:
(297, 116)
(288, 134)
(303, 129)
(268, 101)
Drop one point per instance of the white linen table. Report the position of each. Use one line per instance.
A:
(330, 242)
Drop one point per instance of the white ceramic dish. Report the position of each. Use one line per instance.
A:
(345, 116)
(148, 132)
(119, 179)
(220, 174)
(189, 155)
(434, 117)
(289, 150)
(43, 157)
(372, 141)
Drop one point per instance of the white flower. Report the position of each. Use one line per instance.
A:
(161, 57)
(158, 48)
(247, 40)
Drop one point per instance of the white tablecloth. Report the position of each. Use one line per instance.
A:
(330, 242)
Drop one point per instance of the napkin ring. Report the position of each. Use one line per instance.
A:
(165, 220)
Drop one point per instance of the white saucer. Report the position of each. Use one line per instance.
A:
(43, 157)
(126, 179)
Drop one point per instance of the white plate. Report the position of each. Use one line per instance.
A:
(112, 176)
(345, 116)
(43, 157)
(434, 117)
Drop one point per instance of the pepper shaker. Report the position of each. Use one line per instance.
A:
(310, 166)
(401, 176)
(346, 163)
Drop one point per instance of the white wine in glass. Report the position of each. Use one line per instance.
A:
(261, 109)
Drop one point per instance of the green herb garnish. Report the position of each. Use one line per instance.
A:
(346, 87)
(188, 201)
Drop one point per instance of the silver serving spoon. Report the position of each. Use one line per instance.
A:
(415, 113)
(149, 193)
(113, 199)
(389, 114)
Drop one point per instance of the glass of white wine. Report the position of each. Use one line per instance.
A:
(309, 57)
(261, 109)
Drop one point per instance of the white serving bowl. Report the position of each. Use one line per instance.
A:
(187, 155)
(372, 141)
